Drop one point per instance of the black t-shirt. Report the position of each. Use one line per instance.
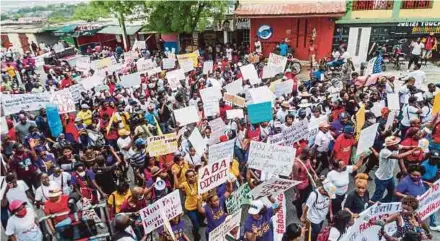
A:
(104, 178)
(355, 203)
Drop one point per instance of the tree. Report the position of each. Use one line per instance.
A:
(184, 16)
(121, 9)
(89, 12)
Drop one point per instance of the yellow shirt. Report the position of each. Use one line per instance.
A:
(11, 71)
(115, 197)
(180, 172)
(234, 168)
(85, 116)
(191, 192)
(124, 124)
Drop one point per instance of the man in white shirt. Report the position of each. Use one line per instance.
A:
(257, 45)
(62, 179)
(124, 142)
(42, 192)
(16, 190)
(322, 142)
(418, 75)
(417, 48)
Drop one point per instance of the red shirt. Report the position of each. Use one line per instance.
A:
(23, 164)
(57, 207)
(254, 134)
(109, 111)
(66, 83)
(436, 133)
(416, 156)
(300, 174)
(223, 110)
(127, 208)
(342, 148)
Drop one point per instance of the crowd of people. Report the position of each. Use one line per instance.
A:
(102, 154)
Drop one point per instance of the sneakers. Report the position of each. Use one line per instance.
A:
(435, 228)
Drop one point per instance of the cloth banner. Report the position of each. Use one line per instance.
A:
(13, 104)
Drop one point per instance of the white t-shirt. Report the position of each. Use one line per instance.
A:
(318, 207)
(42, 192)
(386, 164)
(322, 140)
(340, 180)
(409, 113)
(18, 193)
(417, 48)
(24, 228)
(335, 235)
(124, 143)
(419, 76)
(229, 54)
(258, 46)
(65, 177)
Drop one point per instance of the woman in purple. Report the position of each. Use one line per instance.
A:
(214, 211)
(177, 227)
(258, 225)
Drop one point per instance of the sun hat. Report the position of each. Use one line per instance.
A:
(324, 124)
(16, 204)
(392, 140)
(285, 104)
(54, 192)
(255, 207)
(124, 132)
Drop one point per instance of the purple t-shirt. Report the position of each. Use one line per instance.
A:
(215, 216)
(262, 227)
(408, 187)
(177, 230)
(44, 164)
(90, 176)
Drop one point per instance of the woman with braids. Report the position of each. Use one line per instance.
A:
(407, 220)
(341, 223)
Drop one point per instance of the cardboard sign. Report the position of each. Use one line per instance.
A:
(131, 80)
(249, 73)
(83, 64)
(273, 187)
(145, 64)
(170, 204)
(231, 222)
(168, 63)
(269, 71)
(210, 93)
(260, 112)
(76, 90)
(162, 145)
(64, 101)
(28, 102)
(213, 175)
(207, 67)
(92, 81)
(278, 62)
(277, 139)
(298, 131)
(197, 141)
(366, 139)
(174, 78)
(261, 94)
(393, 101)
(235, 87)
(283, 88)
(211, 107)
(186, 66)
(101, 64)
(234, 113)
(218, 128)
(186, 115)
(224, 150)
(193, 57)
(390, 119)
(234, 99)
(270, 158)
(238, 197)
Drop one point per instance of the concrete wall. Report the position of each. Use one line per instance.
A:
(371, 14)
(15, 40)
(433, 12)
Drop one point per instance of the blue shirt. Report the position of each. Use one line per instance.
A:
(283, 49)
(150, 117)
(408, 187)
(430, 171)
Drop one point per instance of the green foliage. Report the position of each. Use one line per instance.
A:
(184, 16)
(89, 12)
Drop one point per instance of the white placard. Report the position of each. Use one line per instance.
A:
(278, 62)
(232, 221)
(366, 139)
(131, 80)
(213, 175)
(143, 64)
(153, 71)
(235, 113)
(272, 187)
(207, 67)
(76, 90)
(64, 101)
(269, 72)
(186, 65)
(393, 101)
(298, 131)
(83, 63)
(218, 128)
(3, 125)
(249, 73)
(261, 94)
(210, 93)
(271, 158)
(186, 115)
(284, 87)
(92, 81)
(235, 87)
(139, 45)
(211, 107)
(28, 102)
(279, 220)
(277, 139)
(168, 63)
(197, 141)
(390, 119)
(224, 150)
(174, 78)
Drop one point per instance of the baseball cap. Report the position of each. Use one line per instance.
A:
(435, 154)
(255, 207)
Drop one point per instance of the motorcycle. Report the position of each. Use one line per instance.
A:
(293, 64)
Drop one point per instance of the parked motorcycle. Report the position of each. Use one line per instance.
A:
(293, 64)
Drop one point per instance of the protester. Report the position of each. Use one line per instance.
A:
(22, 225)
(258, 223)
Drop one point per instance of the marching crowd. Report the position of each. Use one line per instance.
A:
(102, 154)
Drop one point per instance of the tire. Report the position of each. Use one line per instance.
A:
(297, 67)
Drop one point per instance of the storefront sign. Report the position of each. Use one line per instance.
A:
(243, 23)
(419, 24)
(265, 32)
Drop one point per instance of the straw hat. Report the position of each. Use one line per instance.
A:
(54, 192)
(392, 140)
(285, 104)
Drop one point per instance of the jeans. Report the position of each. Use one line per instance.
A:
(240, 154)
(381, 185)
(195, 220)
(316, 229)
(164, 127)
(5, 216)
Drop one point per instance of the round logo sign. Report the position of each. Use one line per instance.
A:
(265, 31)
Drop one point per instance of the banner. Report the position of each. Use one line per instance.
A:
(151, 215)
(298, 131)
(270, 158)
(284, 87)
(224, 150)
(218, 128)
(131, 80)
(279, 220)
(186, 115)
(234, 113)
(197, 141)
(249, 73)
(168, 63)
(278, 62)
(64, 101)
(260, 112)
(92, 81)
(207, 67)
(229, 226)
(193, 57)
(272, 187)
(366, 139)
(83, 64)
(429, 202)
(162, 145)
(238, 198)
(186, 66)
(213, 175)
(13, 104)
(145, 64)
(235, 87)
(234, 99)
(76, 90)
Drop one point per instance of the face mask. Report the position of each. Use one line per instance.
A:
(415, 179)
(82, 174)
(343, 169)
(21, 213)
(372, 120)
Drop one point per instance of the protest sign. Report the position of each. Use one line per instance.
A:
(153, 71)
(429, 202)
(232, 222)
(213, 175)
(167, 224)
(210, 93)
(260, 112)
(271, 158)
(390, 119)
(235, 87)
(3, 125)
(28, 102)
(436, 106)
(193, 57)
(186, 65)
(261, 94)
(234, 99)
(139, 45)
(170, 204)
(366, 139)
(83, 63)
(207, 67)
(197, 141)
(214, 83)
(298, 131)
(273, 83)
(393, 101)
(218, 128)
(210, 97)
(130, 56)
(131, 80)
(92, 81)
(211, 107)
(234, 113)
(284, 87)
(370, 65)
(269, 71)
(145, 64)
(279, 220)
(186, 115)
(363, 230)
(89, 213)
(249, 73)
(224, 150)
(238, 197)
(76, 90)
(376, 109)
(277, 139)
(101, 64)
(64, 101)
(272, 187)
(278, 62)
(174, 78)
(162, 145)
(168, 63)
(360, 119)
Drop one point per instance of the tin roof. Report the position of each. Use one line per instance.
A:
(299, 8)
